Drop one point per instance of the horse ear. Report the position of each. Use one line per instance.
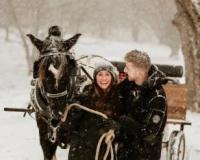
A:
(36, 42)
(69, 43)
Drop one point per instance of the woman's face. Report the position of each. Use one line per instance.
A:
(103, 79)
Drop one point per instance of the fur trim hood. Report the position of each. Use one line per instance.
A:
(156, 78)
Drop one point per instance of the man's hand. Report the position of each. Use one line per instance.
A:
(111, 124)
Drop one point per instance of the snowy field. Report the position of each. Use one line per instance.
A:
(19, 136)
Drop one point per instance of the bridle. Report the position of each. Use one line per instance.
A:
(66, 92)
(45, 113)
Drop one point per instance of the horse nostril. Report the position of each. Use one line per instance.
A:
(54, 122)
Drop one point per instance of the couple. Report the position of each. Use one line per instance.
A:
(136, 108)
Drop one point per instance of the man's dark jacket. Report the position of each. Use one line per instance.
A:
(143, 117)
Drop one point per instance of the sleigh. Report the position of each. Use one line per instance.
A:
(176, 98)
(174, 137)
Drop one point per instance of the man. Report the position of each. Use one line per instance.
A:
(144, 109)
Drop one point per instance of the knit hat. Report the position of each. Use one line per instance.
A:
(106, 67)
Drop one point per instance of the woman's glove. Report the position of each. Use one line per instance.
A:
(110, 124)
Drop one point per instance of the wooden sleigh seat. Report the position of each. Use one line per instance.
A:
(176, 99)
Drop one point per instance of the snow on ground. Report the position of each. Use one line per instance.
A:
(19, 136)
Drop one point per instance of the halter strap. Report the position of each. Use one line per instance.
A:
(51, 53)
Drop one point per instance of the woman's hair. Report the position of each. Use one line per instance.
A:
(105, 99)
(99, 99)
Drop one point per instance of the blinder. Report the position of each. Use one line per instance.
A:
(36, 69)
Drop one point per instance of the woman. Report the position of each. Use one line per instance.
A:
(87, 128)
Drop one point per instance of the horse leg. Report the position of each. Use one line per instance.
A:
(48, 148)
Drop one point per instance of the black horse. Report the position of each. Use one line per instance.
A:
(55, 73)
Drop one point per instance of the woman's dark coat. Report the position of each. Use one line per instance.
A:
(86, 128)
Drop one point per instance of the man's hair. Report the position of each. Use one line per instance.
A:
(139, 59)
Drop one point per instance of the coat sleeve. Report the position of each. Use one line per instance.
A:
(77, 115)
(156, 119)
(84, 97)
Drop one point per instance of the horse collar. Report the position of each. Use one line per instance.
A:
(56, 95)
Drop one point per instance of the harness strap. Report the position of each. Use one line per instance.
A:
(56, 95)
(52, 53)
(34, 98)
(84, 70)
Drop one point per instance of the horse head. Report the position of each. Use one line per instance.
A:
(56, 71)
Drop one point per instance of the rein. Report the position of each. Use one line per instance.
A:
(107, 136)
